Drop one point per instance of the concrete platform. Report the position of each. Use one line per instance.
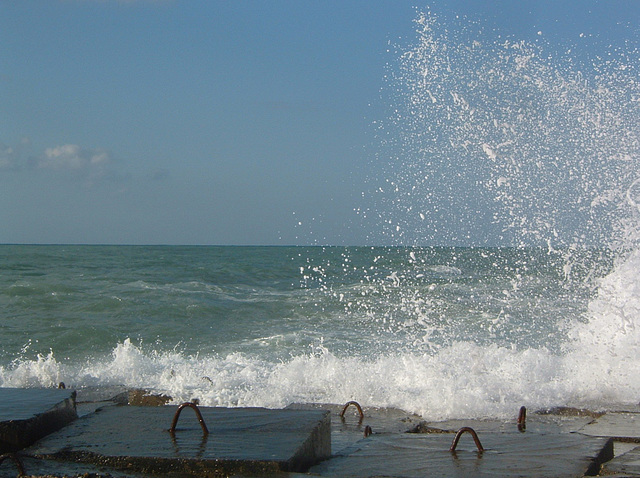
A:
(623, 426)
(112, 439)
(27, 415)
(349, 428)
(241, 440)
(547, 450)
(626, 464)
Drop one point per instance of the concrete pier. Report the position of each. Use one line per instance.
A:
(624, 428)
(241, 440)
(505, 454)
(27, 415)
(113, 439)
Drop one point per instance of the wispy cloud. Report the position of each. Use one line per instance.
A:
(159, 174)
(11, 157)
(90, 166)
(8, 160)
(73, 157)
(74, 162)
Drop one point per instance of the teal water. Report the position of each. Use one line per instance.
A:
(489, 141)
(267, 326)
(81, 300)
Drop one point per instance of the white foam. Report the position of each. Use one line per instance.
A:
(605, 354)
(533, 122)
(461, 380)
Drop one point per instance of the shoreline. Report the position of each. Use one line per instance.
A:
(567, 441)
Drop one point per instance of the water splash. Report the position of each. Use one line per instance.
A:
(493, 141)
(499, 141)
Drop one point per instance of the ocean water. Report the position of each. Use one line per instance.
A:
(443, 332)
(521, 154)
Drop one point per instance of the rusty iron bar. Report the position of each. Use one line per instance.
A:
(473, 434)
(355, 404)
(172, 430)
(16, 460)
(522, 419)
(368, 431)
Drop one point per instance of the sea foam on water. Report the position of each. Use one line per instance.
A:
(525, 153)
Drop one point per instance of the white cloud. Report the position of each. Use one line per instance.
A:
(8, 158)
(73, 157)
(71, 161)
(90, 166)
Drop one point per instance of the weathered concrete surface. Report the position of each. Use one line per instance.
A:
(26, 415)
(404, 445)
(350, 428)
(241, 440)
(626, 464)
(526, 454)
(624, 429)
(623, 426)
(133, 442)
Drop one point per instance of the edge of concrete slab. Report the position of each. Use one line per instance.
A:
(21, 433)
(316, 448)
(597, 462)
(77, 443)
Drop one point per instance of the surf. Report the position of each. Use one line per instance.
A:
(506, 193)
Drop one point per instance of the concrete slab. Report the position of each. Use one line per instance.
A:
(623, 426)
(514, 454)
(28, 414)
(241, 440)
(627, 464)
(350, 427)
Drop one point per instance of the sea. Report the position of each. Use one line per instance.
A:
(440, 332)
(503, 206)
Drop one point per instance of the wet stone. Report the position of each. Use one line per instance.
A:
(627, 464)
(623, 426)
(144, 398)
(348, 428)
(27, 415)
(241, 440)
(514, 454)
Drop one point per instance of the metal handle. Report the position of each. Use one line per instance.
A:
(473, 434)
(355, 404)
(172, 430)
(522, 419)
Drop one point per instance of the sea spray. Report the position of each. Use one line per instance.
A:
(493, 142)
(498, 141)
(603, 354)
(444, 332)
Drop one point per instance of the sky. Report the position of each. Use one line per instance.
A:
(216, 122)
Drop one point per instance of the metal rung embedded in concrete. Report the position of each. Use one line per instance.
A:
(506, 454)
(241, 440)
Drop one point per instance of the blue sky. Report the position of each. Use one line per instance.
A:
(216, 122)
